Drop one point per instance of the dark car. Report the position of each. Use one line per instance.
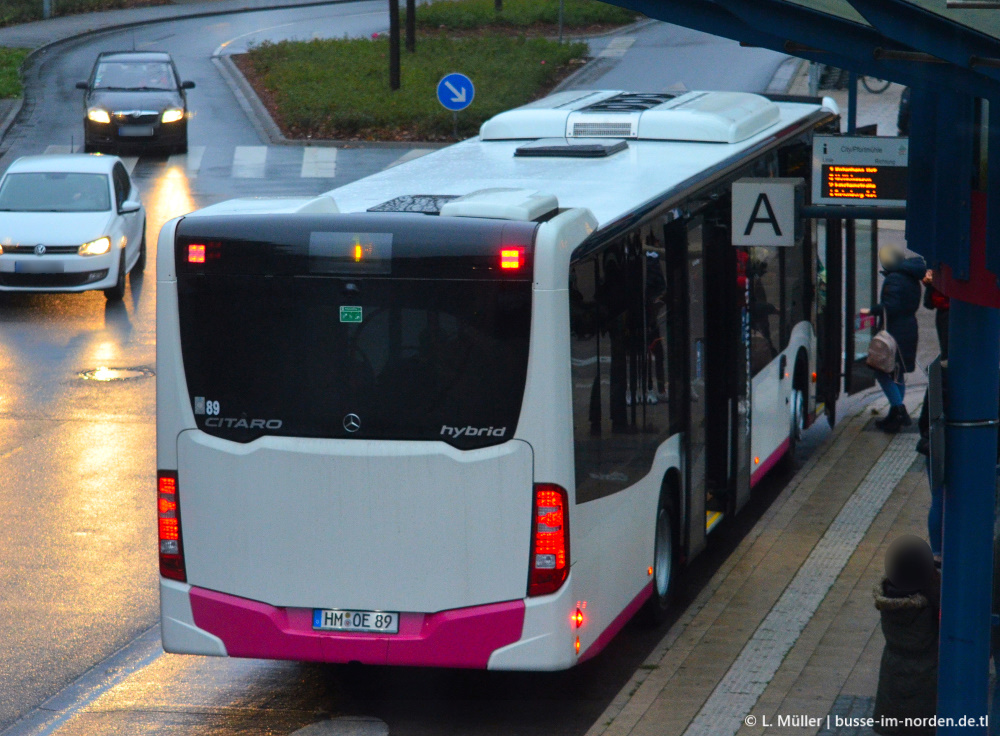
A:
(135, 99)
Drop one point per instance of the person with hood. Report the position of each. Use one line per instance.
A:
(900, 300)
(908, 601)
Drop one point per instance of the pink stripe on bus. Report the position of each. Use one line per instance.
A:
(620, 620)
(760, 472)
(463, 637)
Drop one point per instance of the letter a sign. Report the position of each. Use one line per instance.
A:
(766, 211)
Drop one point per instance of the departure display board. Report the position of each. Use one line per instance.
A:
(860, 170)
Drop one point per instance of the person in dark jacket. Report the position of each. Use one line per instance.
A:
(935, 300)
(900, 300)
(908, 599)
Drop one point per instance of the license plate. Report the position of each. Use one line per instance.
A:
(378, 622)
(38, 267)
(135, 131)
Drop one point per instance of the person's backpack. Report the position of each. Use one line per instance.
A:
(882, 350)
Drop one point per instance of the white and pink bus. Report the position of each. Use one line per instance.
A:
(479, 409)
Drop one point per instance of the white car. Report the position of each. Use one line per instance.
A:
(70, 223)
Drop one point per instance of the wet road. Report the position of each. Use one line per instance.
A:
(77, 459)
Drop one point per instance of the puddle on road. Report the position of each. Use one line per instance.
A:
(105, 374)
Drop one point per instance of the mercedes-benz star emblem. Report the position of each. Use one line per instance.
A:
(352, 422)
(39, 250)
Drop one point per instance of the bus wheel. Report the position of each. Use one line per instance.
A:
(798, 417)
(664, 566)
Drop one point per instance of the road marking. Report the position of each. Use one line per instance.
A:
(319, 163)
(755, 667)
(410, 156)
(190, 161)
(58, 149)
(618, 47)
(249, 162)
(130, 162)
(53, 714)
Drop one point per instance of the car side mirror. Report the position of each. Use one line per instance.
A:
(129, 206)
(187, 85)
(81, 85)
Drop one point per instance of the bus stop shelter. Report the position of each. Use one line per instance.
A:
(948, 53)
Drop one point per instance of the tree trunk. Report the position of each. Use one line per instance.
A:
(498, 5)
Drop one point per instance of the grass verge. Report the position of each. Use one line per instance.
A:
(471, 14)
(340, 88)
(10, 77)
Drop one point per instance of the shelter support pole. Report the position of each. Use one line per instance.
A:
(970, 473)
(949, 228)
(852, 103)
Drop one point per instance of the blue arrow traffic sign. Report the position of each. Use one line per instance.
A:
(456, 92)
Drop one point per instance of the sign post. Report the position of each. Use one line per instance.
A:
(455, 92)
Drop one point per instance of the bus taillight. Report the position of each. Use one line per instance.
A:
(550, 542)
(196, 253)
(169, 524)
(511, 258)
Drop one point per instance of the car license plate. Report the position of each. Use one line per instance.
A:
(38, 267)
(135, 131)
(378, 622)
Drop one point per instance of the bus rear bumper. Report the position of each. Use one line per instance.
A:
(462, 638)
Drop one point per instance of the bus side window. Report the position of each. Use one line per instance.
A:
(620, 363)
(794, 279)
(763, 271)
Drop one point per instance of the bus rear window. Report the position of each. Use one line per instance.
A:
(365, 356)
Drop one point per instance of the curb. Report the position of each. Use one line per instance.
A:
(11, 116)
(785, 76)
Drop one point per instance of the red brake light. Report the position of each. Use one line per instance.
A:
(550, 540)
(511, 258)
(196, 253)
(169, 524)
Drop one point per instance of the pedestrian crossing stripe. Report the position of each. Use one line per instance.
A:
(251, 162)
(190, 161)
(410, 156)
(319, 163)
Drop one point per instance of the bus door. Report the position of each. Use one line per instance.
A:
(860, 292)
(709, 333)
(727, 367)
(828, 235)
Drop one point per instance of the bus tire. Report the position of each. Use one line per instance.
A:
(665, 562)
(797, 407)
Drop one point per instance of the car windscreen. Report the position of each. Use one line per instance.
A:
(51, 191)
(134, 75)
(394, 327)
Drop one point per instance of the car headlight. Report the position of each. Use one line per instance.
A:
(97, 115)
(172, 116)
(95, 247)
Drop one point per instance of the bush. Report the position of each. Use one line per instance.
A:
(469, 14)
(10, 77)
(340, 88)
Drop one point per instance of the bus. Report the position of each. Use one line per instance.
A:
(479, 409)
